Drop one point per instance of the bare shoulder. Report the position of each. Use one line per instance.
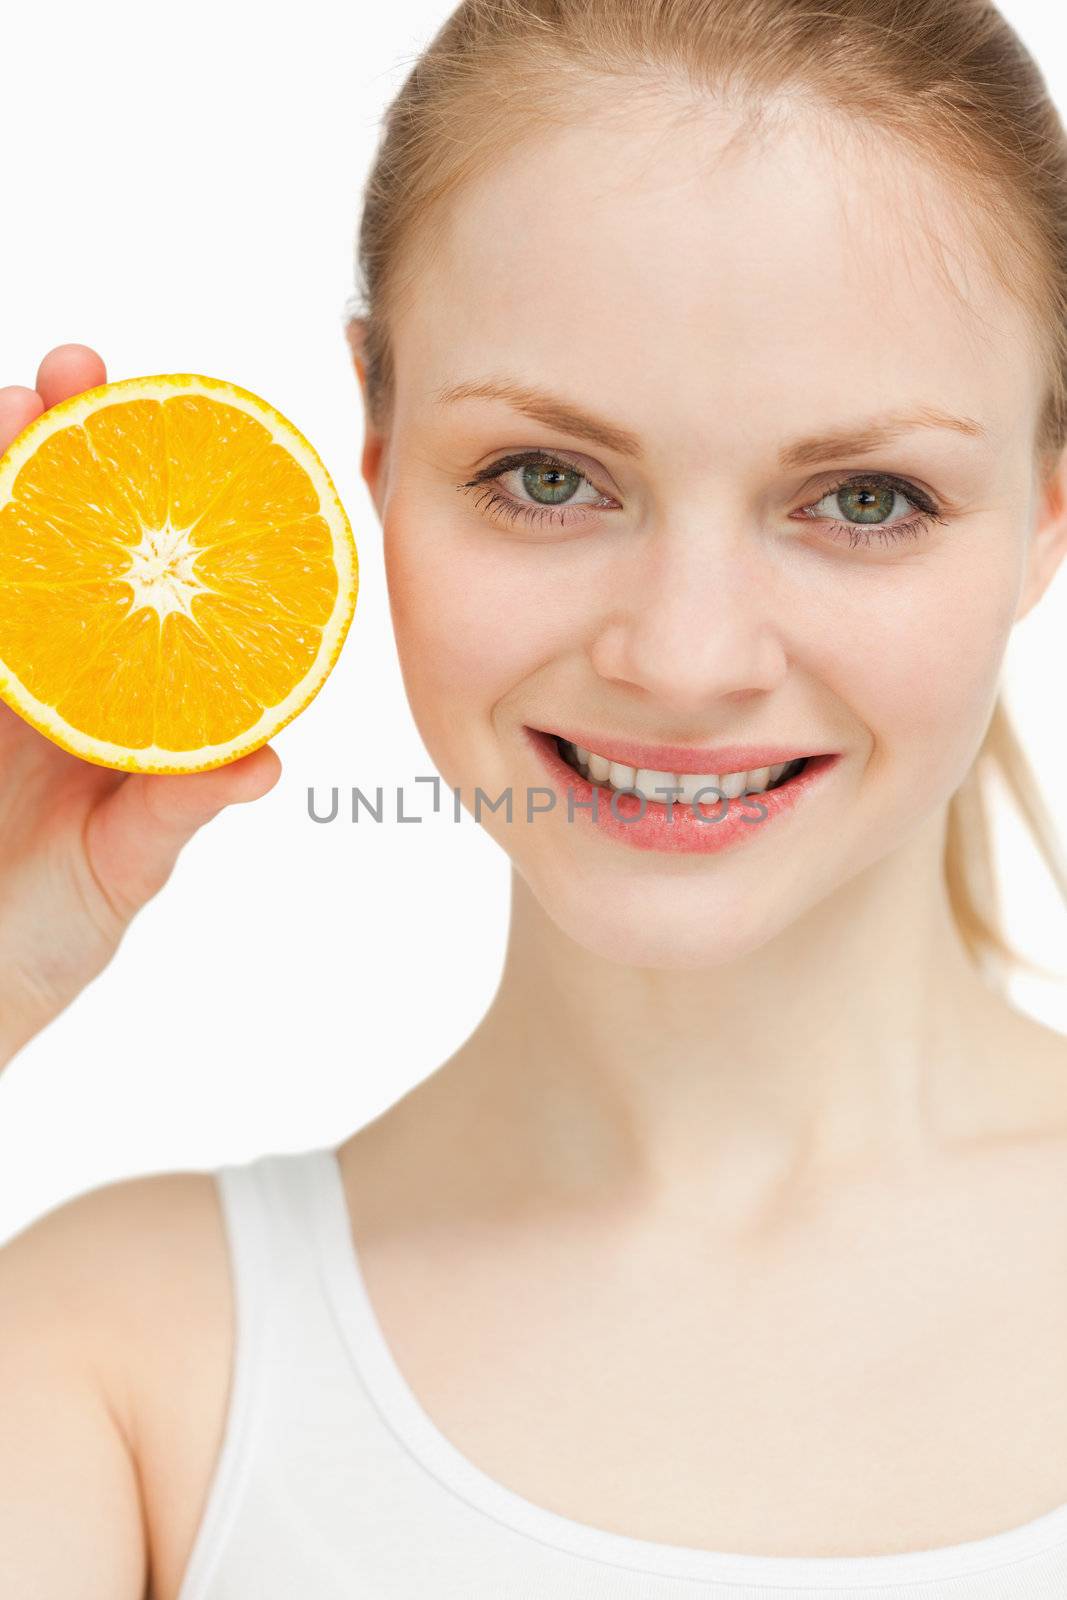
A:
(125, 1264)
(1043, 1049)
(136, 1277)
(1055, 1044)
(1020, 1073)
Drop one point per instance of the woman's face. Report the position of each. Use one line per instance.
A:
(706, 580)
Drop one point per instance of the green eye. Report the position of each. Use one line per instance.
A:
(548, 480)
(868, 502)
(535, 480)
(867, 505)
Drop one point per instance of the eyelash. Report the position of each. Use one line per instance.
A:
(913, 527)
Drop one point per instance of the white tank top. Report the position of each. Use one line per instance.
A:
(332, 1483)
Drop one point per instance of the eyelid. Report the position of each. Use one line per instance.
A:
(921, 498)
(945, 504)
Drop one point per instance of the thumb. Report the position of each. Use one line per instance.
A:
(134, 836)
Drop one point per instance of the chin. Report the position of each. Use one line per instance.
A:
(668, 925)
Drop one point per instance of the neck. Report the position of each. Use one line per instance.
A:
(862, 1034)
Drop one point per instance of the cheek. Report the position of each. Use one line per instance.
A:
(466, 622)
(923, 656)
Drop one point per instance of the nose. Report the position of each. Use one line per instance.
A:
(691, 617)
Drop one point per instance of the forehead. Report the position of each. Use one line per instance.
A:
(684, 271)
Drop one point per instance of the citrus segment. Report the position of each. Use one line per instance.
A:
(177, 573)
(269, 492)
(36, 547)
(208, 442)
(114, 693)
(128, 442)
(58, 633)
(296, 571)
(63, 482)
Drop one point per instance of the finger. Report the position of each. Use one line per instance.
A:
(69, 369)
(180, 797)
(135, 834)
(18, 408)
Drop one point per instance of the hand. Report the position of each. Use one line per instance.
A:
(83, 847)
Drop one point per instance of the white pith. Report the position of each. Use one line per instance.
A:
(161, 571)
(658, 786)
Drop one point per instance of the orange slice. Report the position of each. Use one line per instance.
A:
(177, 573)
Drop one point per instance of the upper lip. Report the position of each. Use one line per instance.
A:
(712, 759)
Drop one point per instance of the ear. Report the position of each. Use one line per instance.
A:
(1048, 539)
(374, 442)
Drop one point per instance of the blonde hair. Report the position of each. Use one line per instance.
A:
(950, 79)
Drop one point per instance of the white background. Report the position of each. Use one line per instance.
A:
(181, 190)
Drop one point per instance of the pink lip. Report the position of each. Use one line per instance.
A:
(717, 759)
(653, 825)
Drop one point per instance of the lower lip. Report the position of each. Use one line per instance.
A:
(673, 827)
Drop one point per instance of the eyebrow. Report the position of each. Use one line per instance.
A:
(556, 412)
(872, 435)
(552, 410)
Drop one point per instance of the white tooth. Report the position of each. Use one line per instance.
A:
(757, 779)
(776, 772)
(655, 785)
(732, 784)
(599, 767)
(583, 755)
(620, 776)
(692, 782)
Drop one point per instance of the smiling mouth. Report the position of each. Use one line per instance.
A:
(616, 775)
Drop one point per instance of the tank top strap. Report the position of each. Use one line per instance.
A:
(273, 1206)
(286, 1354)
